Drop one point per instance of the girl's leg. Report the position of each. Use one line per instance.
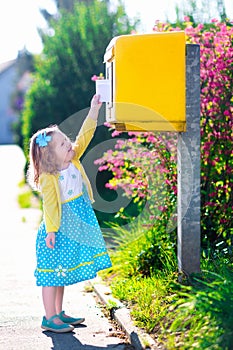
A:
(59, 299)
(49, 299)
(59, 302)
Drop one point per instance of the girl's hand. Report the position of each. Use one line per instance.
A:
(95, 107)
(95, 102)
(50, 240)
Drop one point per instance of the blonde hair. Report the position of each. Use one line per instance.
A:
(42, 159)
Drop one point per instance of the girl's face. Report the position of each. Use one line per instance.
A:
(63, 149)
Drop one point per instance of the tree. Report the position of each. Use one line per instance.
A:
(73, 52)
(67, 5)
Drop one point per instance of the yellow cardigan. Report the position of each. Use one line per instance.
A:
(49, 182)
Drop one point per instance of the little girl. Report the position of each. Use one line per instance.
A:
(70, 247)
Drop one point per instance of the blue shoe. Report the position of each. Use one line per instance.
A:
(49, 325)
(70, 320)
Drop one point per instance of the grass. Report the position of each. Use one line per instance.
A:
(197, 314)
(146, 297)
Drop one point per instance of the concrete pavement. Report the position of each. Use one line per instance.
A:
(21, 308)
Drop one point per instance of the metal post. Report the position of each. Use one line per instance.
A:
(189, 170)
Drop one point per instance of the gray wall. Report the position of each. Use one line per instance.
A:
(7, 115)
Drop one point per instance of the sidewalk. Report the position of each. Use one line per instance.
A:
(21, 308)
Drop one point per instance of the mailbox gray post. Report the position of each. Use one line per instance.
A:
(188, 209)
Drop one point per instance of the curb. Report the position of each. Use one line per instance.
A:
(139, 339)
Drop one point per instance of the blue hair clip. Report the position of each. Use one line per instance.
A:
(42, 139)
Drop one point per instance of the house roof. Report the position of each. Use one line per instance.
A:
(5, 65)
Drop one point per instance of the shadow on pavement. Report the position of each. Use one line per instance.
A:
(68, 341)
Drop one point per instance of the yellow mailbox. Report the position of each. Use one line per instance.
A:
(147, 82)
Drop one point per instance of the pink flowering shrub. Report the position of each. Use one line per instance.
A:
(145, 160)
(144, 166)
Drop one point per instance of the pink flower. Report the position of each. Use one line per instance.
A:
(95, 77)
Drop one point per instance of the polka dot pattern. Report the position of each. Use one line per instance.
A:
(80, 251)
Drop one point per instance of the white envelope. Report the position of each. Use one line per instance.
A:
(103, 89)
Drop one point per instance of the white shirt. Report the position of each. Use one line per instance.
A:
(70, 183)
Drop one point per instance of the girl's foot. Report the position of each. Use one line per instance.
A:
(70, 320)
(54, 324)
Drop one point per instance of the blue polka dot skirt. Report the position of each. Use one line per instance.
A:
(79, 252)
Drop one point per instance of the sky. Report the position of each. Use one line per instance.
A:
(19, 21)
